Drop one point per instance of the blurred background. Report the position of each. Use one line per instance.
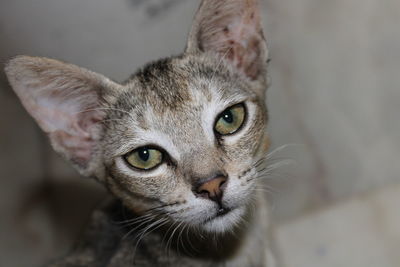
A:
(334, 101)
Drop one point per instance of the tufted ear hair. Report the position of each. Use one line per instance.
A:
(232, 30)
(66, 102)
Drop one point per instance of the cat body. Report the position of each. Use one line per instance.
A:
(105, 243)
(181, 145)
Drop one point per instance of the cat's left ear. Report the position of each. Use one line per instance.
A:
(66, 102)
(232, 30)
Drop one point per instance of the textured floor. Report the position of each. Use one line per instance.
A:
(359, 232)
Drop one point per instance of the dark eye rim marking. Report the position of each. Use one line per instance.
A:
(165, 158)
(220, 136)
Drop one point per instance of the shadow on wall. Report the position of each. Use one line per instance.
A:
(155, 9)
(65, 204)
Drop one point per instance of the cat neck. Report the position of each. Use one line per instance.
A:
(183, 239)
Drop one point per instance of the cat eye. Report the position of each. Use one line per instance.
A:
(144, 158)
(230, 120)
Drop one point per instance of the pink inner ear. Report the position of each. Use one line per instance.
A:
(70, 130)
(64, 100)
(233, 30)
(79, 148)
(243, 47)
(69, 117)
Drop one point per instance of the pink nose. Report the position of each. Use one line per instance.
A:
(212, 189)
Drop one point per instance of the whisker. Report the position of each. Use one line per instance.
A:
(170, 240)
(194, 229)
(136, 220)
(138, 226)
(179, 237)
(166, 234)
(157, 224)
(148, 211)
(280, 148)
(185, 227)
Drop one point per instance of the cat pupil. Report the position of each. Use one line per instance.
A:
(227, 116)
(144, 154)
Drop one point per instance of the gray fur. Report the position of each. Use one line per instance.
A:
(173, 104)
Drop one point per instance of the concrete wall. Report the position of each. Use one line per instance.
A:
(334, 97)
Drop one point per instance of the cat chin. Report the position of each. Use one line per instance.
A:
(224, 223)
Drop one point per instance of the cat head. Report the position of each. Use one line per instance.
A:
(181, 138)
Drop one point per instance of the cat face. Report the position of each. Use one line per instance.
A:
(186, 125)
(181, 138)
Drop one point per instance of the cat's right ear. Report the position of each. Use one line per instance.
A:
(231, 30)
(66, 102)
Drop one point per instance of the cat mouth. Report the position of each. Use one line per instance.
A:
(222, 211)
(223, 219)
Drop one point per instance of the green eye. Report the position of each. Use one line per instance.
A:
(144, 158)
(230, 120)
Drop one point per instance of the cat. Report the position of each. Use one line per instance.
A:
(180, 145)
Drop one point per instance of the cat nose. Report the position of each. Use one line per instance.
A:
(211, 189)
